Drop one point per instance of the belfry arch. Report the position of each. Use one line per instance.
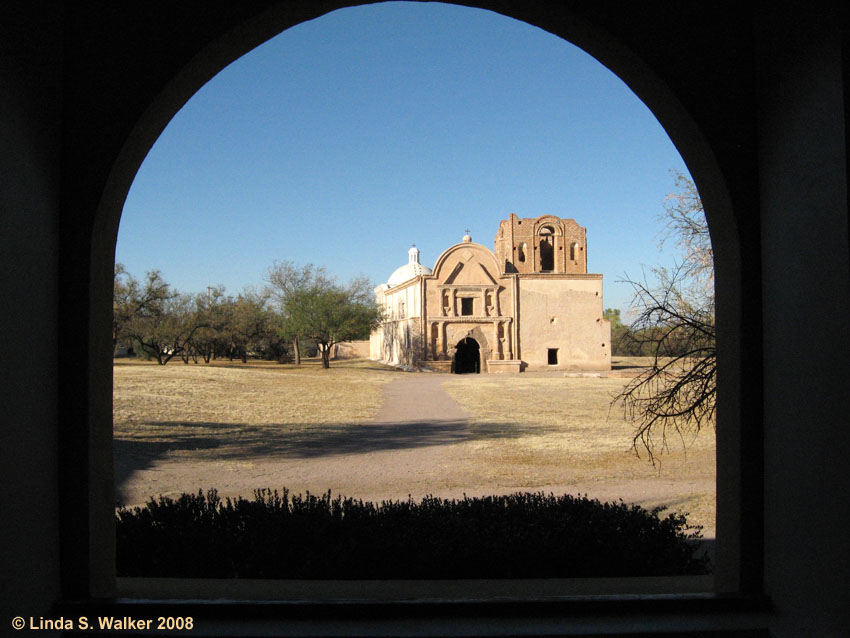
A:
(185, 69)
(546, 246)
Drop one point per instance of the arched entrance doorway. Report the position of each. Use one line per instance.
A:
(467, 359)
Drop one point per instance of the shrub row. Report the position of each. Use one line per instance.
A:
(278, 535)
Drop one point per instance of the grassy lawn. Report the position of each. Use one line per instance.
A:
(567, 419)
(244, 405)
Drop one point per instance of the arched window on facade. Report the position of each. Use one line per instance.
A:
(574, 251)
(521, 252)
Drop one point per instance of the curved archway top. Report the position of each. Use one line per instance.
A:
(485, 255)
(463, 332)
(557, 224)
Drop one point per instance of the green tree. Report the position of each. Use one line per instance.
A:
(675, 325)
(132, 300)
(286, 280)
(612, 315)
(210, 308)
(247, 322)
(330, 313)
(621, 341)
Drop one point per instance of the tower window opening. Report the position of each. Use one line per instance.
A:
(547, 248)
(553, 356)
(547, 254)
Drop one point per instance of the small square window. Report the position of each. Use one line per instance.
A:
(466, 305)
(553, 356)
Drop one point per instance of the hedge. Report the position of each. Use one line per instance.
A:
(522, 535)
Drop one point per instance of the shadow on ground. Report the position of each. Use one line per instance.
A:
(232, 441)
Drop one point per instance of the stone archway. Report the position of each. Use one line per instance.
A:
(467, 359)
(105, 174)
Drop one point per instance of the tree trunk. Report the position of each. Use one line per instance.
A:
(296, 351)
(326, 357)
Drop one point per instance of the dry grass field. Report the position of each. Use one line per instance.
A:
(575, 438)
(243, 401)
(238, 426)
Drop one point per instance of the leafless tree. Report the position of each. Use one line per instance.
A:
(167, 331)
(676, 394)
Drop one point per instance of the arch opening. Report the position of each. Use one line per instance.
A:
(466, 347)
(547, 254)
(467, 359)
(547, 248)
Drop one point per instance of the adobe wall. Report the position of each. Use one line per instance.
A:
(352, 349)
(402, 301)
(397, 342)
(398, 339)
(563, 312)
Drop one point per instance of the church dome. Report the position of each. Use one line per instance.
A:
(410, 270)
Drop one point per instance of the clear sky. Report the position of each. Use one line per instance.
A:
(346, 139)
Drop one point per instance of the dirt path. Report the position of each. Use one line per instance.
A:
(415, 400)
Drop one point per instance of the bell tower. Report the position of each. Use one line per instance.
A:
(541, 245)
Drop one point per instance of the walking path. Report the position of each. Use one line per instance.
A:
(418, 398)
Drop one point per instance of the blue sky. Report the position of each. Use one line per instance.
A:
(344, 140)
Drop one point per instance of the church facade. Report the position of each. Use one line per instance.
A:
(528, 305)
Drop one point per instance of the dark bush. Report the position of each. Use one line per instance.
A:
(516, 536)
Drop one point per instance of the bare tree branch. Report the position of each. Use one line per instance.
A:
(676, 394)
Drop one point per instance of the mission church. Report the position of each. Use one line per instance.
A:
(528, 305)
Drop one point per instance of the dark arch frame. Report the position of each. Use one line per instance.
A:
(723, 175)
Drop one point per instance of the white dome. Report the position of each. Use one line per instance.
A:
(410, 270)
